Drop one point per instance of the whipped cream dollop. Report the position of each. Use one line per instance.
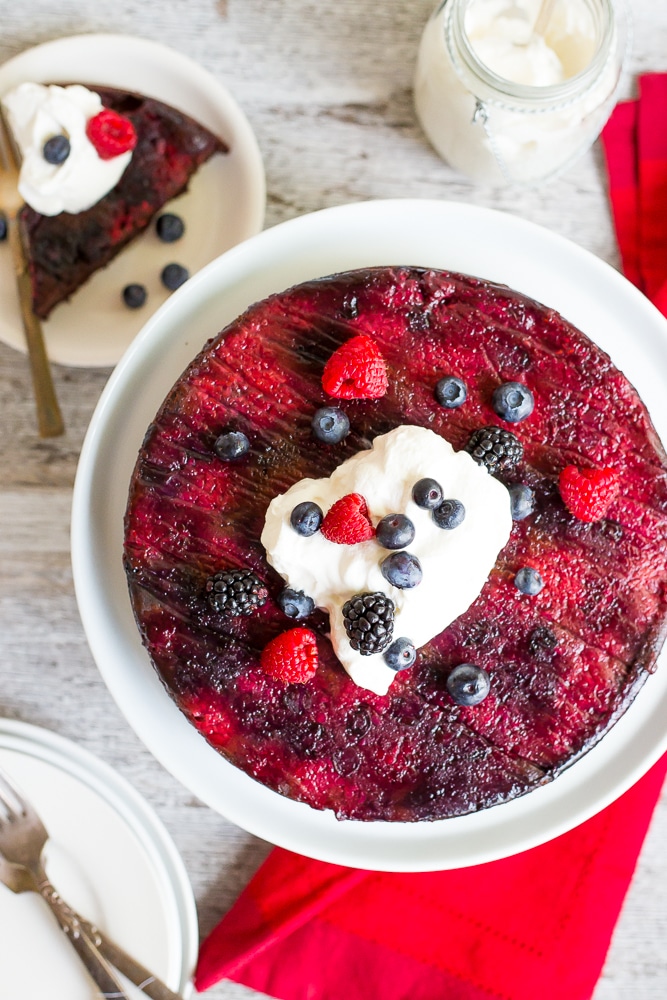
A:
(455, 563)
(37, 113)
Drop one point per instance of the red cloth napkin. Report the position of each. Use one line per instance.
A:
(535, 925)
(635, 146)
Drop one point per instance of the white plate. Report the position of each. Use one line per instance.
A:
(453, 236)
(109, 856)
(223, 206)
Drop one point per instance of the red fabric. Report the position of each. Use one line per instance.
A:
(535, 925)
(635, 147)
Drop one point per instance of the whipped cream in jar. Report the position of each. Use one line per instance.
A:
(503, 104)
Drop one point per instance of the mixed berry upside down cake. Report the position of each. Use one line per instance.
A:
(396, 543)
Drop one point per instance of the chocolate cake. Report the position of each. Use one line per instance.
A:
(65, 249)
(567, 626)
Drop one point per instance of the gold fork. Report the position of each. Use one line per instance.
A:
(22, 840)
(49, 418)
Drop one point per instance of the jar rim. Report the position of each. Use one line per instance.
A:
(550, 94)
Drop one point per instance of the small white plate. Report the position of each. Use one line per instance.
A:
(446, 235)
(224, 204)
(112, 860)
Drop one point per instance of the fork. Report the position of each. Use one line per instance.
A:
(22, 840)
(49, 418)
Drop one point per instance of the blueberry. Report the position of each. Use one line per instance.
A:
(513, 401)
(306, 518)
(451, 392)
(427, 494)
(449, 514)
(3, 226)
(528, 581)
(402, 570)
(468, 684)
(173, 276)
(400, 655)
(522, 500)
(295, 604)
(395, 531)
(169, 227)
(231, 445)
(134, 296)
(330, 424)
(56, 149)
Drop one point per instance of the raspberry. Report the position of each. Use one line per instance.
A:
(111, 134)
(356, 370)
(347, 521)
(291, 657)
(588, 493)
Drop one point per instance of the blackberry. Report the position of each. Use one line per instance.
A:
(236, 592)
(369, 622)
(495, 448)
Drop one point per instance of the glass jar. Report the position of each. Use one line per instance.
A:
(496, 130)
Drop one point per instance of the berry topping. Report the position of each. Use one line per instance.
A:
(356, 370)
(449, 514)
(402, 570)
(3, 226)
(56, 149)
(495, 448)
(111, 134)
(588, 493)
(427, 494)
(134, 296)
(330, 424)
(522, 501)
(468, 684)
(306, 518)
(295, 604)
(528, 581)
(401, 654)
(541, 641)
(173, 276)
(395, 531)
(451, 392)
(231, 445)
(513, 402)
(169, 227)
(347, 521)
(291, 657)
(236, 592)
(369, 622)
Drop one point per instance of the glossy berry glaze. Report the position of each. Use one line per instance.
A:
(562, 664)
(65, 249)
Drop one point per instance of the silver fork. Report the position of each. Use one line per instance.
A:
(49, 418)
(22, 840)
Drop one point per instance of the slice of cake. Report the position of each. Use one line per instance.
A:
(98, 164)
(396, 543)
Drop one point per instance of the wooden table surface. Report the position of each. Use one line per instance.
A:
(327, 90)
